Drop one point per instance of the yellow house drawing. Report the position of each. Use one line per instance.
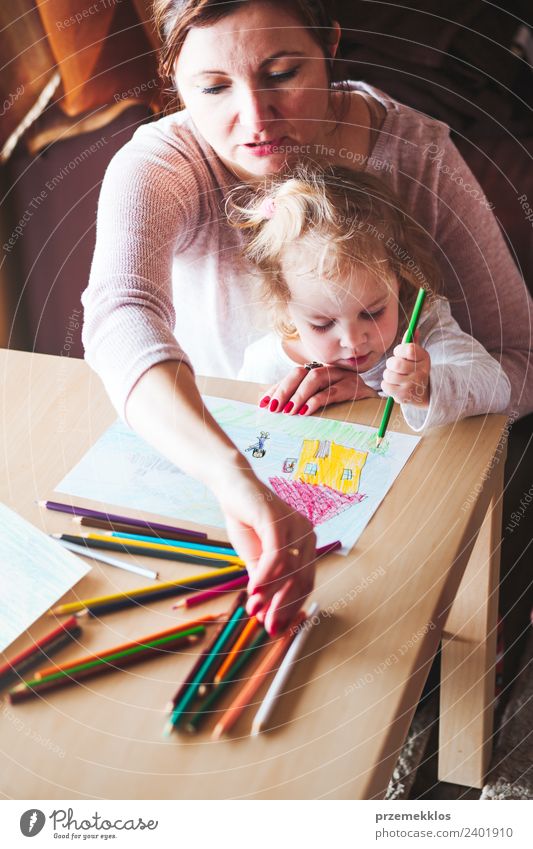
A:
(324, 462)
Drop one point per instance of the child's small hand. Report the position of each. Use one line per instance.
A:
(303, 391)
(406, 377)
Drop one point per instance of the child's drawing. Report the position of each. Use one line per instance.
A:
(258, 448)
(289, 464)
(337, 466)
(328, 470)
(318, 503)
(325, 480)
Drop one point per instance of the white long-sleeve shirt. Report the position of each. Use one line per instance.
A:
(464, 379)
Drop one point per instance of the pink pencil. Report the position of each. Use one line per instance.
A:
(207, 595)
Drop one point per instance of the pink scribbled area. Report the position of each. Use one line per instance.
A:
(317, 503)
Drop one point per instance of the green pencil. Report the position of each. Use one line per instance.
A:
(66, 676)
(231, 677)
(215, 656)
(409, 335)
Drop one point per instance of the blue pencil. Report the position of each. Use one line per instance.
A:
(178, 543)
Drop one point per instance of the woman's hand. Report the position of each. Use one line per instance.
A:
(406, 377)
(303, 391)
(276, 542)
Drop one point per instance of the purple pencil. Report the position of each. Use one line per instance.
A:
(113, 517)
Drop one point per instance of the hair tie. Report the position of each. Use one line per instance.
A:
(267, 208)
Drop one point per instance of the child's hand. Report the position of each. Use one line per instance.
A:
(304, 391)
(406, 377)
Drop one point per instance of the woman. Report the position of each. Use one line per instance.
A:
(254, 78)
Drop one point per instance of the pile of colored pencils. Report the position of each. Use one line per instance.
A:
(237, 640)
(145, 648)
(235, 644)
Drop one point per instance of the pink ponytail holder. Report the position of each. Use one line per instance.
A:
(267, 208)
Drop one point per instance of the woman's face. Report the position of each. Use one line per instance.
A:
(256, 87)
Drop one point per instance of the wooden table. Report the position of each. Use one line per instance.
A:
(425, 568)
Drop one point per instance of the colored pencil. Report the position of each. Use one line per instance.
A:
(209, 666)
(276, 688)
(113, 517)
(246, 636)
(37, 647)
(173, 543)
(184, 686)
(182, 536)
(103, 558)
(408, 337)
(230, 678)
(244, 697)
(327, 549)
(194, 582)
(203, 597)
(111, 662)
(12, 672)
(172, 546)
(142, 641)
(200, 598)
(164, 552)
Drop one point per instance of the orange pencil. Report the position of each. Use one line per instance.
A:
(245, 695)
(243, 638)
(50, 670)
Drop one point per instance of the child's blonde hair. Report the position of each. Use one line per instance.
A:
(343, 217)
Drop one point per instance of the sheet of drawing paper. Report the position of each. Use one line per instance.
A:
(328, 470)
(35, 572)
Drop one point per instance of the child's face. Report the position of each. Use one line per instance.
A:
(350, 323)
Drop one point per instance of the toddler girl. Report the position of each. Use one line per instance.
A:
(341, 264)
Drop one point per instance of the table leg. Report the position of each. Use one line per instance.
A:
(469, 657)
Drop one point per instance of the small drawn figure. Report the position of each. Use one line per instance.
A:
(289, 464)
(258, 450)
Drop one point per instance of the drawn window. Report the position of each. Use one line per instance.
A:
(310, 469)
(347, 475)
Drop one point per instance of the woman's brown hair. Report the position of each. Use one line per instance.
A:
(174, 19)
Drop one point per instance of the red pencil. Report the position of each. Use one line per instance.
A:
(38, 649)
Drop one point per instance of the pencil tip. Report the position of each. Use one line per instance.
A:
(256, 730)
(168, 729)
(41, 503)
(77, 519)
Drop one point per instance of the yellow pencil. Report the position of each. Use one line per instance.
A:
(73, 606)
(158, 546)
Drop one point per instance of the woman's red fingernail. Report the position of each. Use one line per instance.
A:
(288, 407)
(303, 410)
(273, 405)
(264, 401)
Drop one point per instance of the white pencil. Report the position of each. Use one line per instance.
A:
(276, 688)
(103, 558)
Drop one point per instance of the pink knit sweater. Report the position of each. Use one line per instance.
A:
(167, 281)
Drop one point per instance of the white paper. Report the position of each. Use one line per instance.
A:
(35, 572)
(121, 469)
